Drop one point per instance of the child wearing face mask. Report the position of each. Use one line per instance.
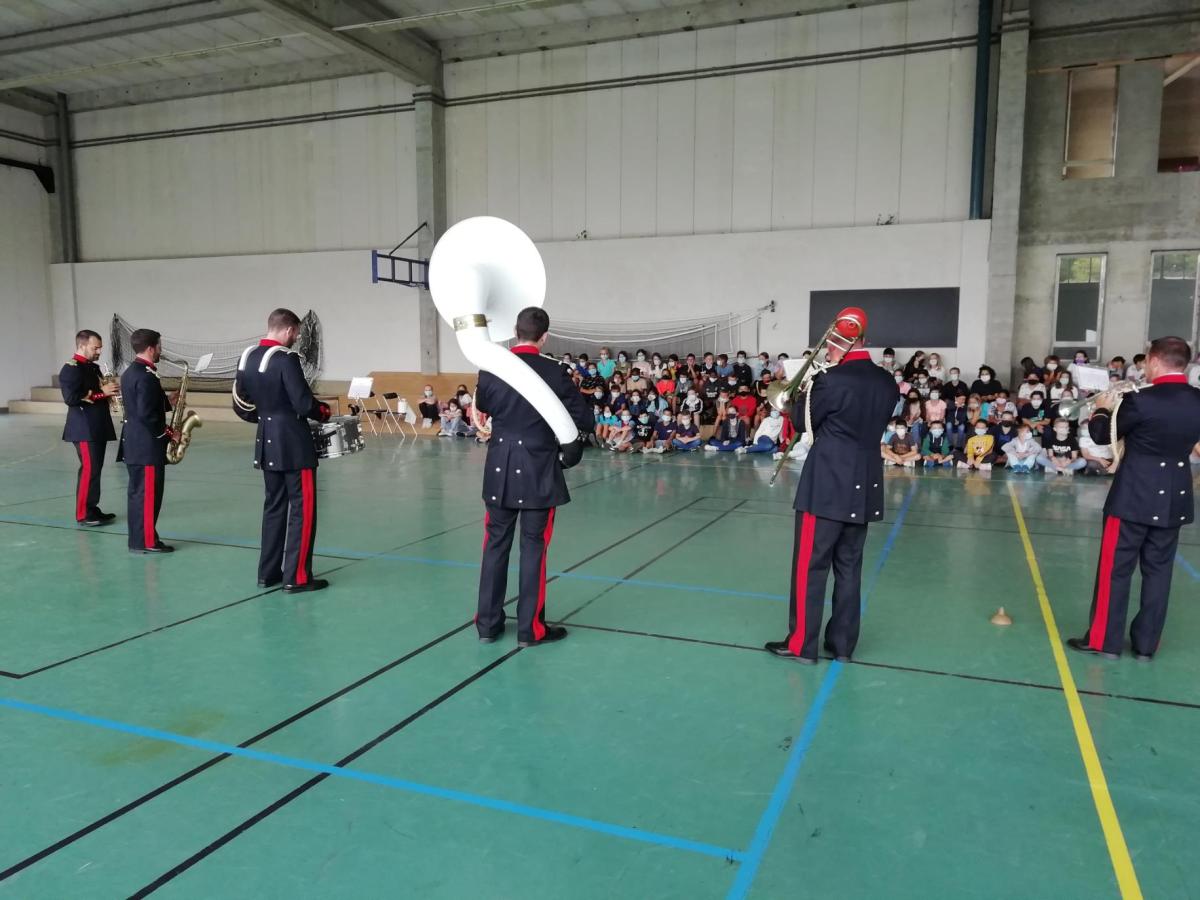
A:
(1081, 359)
(592, 380)
(998, 407)
(655, 405)
(934, 367)
(666, 388)
(745, 403)
(615, 399)
(1034, 412)
(888, 361)
(742, 370)
(730, 434)
(657, 368)
(1050, 369)
(901, 448)
(979, 451)
(975, 409)
(914, 416)
(935, 448)
(620, 438)
(724, 366)
(687, 435)
(958, 420)
(1061, 383)
(692, 404)
(623, 364)
(636, 404)
(664, 433)
(954, 386)
(768, 435)
(606, 365)
(1004, 432)
(428, 407)
(1060, 451)
(643, 432)
(986, 386)
(1098, 457)
(1021, 453)
(935, 406)
(1136, 372)
(606, 421)
(1028, 386)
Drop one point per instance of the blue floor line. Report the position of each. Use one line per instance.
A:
(787, 781)
(1188, 567)
(414, 787)
(342, 553)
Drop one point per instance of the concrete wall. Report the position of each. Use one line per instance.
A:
(1126, 216)
(26, 354)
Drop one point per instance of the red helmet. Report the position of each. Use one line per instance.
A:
(846, 329)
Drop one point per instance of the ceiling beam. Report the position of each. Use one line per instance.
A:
(402, 53)
(247, 79)
(99, 29)
(710, 14)
(30, 101)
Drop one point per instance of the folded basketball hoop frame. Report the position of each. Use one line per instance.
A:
(402, 270)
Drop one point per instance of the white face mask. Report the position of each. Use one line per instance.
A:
(598, 394)
(641, 357)
(684, 422)
(985, 378)
(1035, 402)
(901, 431)
(936, 432)
(899, 379)
(774, 414)
(625, 417)
(643, 419)
(635, 398)
(1061, 433)
(934, 395)
(1051, 366)
(954, 376)
(428, 393)
(981, 431)
(1064, 381)
(691, 395)
(889, 359)
(666, 420)
(741, 359)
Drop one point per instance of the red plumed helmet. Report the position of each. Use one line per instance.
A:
(846, 329)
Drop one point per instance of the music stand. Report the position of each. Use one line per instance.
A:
(361, 389)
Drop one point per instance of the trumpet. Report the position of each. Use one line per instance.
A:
(843, 333)
(115, 406)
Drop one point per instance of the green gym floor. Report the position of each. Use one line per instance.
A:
(168, 728)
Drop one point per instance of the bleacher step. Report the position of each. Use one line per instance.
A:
(56, 408)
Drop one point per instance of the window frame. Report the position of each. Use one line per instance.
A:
(1194, 337)
(1057, 346)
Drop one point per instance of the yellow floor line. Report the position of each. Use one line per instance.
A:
(1117, 850)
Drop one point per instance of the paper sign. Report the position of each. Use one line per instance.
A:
(1091, 378)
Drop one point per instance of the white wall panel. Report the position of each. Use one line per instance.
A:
(714, 133)
(568, 117)
(880, 116)
(753, 130)
(794, 154)
(926, 116)
(503, 141)
(837, 120)
(467, 153)
(603, 143)
(536, 150)
(675, 181)
(26, 353)
(639, 140)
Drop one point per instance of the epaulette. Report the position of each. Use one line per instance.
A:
(72, 362)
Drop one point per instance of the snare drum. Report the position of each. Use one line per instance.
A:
(340, 436)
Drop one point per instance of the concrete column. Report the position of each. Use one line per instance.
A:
(65, 206)
(1139, 115)
(431, 206)
(1006, 186)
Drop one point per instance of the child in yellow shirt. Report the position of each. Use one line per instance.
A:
(979, 450)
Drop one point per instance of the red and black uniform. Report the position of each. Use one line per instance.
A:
(840, 492)
(522, 481)
(144, 450)
(1149, 501)
(90, 428)
(271, 379)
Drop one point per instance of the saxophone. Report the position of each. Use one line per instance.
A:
(115, 406)
(183, 422)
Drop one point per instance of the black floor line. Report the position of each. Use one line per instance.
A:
(291, 795)
(1180, 704)
(295, 717)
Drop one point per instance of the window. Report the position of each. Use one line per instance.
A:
(1091, 123)
(1079, 303)
(1174, 304)
(1179, 132)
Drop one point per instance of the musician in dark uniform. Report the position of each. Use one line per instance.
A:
(89, 424)
(144, 441)
(271, 390)
(523, 482)
(840, 492)
(1149, 501)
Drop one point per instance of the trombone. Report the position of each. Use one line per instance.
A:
(1075, 410)
(842, 334)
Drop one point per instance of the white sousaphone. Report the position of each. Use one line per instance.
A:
(482, 273)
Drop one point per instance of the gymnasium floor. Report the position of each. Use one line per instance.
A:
(167, 728)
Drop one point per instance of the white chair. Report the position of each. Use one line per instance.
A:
(361, 390)
(406, 416)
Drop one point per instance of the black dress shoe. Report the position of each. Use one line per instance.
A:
(96, 521)
(839, 657)
(157, 548)
(1143, 657)
(1081, 645)
(553, 633)
(780, 648)
(270, 582)
(106, 517)
(317, 584)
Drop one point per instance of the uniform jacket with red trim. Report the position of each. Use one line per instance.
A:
(1160, 425)
(842, 478)
(522, 470)
(270, 377)
(88, 418)
(144, 437)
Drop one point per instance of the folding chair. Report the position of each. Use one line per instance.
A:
(405, 416)
(361, 390)
(389, 414)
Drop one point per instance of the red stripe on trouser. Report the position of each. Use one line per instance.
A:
(539, 630)
(307, 497)
(487, 518)
(1108, 550)
(808, 527)
(149, 486)
(85, 481)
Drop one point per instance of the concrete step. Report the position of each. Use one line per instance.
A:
(56, 408)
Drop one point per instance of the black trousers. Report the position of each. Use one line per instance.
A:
(145, 501)
(87, 482)
(1123, 546)
(820, 544)
(289, 527)
(499, 524)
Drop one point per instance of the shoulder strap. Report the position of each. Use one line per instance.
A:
(266, 358)
(245, 356)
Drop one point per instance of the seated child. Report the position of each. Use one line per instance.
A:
(1060, 451)
(935, 448)
(687, 435)
(767, 438)
(935, 406)
(979, 450)
(1021, 452)
(666, 388)
(958, 421)
(643, 432)
(620, 439)
(745, 403)
(428, 407)
(1099, 457)
(730, 434)
(901, 450)
(453, 422)
(605, 423)
(664, 433)
(1004, 432)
